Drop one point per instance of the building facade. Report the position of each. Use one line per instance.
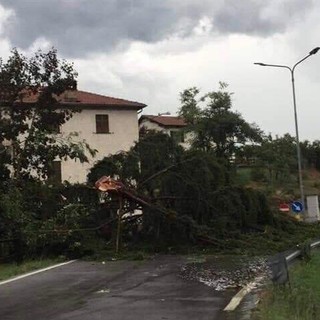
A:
(170, 125)
(109, 125)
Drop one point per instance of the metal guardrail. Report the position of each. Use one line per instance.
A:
(293, 256)
(298, 253)
(279, 263)
(315, 244)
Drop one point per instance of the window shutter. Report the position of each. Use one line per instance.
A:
(102, 123)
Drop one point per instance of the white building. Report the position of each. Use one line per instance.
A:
(173, 126)
(108, 124)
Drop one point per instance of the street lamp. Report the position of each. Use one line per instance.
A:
(312, 52)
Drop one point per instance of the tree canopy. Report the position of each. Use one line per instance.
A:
(31, 114)
(185, 189)
(214, 125)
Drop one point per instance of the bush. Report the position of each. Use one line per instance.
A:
(38, 218)
(65, 232)
(258, 174)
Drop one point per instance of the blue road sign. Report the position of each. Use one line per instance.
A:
(296, 206)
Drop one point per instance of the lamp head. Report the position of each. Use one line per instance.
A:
(314, 51)
(260, 64)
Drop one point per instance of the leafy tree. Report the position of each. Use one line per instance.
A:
(215, 126)
(158, 153)
(30, 90)
(123, 166)
(30, 114)
(71, 217)
(189, 109)
(186, 191)
(277, 156)
(311, 153)
(153, 153)
(4, 160)
(14, 220)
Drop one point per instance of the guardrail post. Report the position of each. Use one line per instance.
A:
(279, 269)
(306, 251)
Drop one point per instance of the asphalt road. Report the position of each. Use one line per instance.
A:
(117, 290)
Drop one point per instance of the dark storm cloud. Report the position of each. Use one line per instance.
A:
(244, 17)
(82, 26)
(77, 27)
(259, 17)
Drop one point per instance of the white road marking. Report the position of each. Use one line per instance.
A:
(35, 272)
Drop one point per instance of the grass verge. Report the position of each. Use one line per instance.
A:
(300, 301)
(9, 270)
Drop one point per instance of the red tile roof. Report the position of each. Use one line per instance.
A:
(85, 99)
(165, 121)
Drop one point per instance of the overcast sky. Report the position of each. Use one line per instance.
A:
(150, 50)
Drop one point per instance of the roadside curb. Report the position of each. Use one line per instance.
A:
(35, 272)
(237, 298)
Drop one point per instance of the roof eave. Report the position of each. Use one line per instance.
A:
(102, 106)
(87, 106)
(160, 124)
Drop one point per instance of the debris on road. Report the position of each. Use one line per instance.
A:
(226, 272)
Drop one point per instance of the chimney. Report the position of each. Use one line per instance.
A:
(70, 95)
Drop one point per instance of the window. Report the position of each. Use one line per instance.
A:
(177, 136)
(102, 123)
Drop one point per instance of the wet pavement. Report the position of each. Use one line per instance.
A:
(229, 274)
(160, 288)
(165, 287)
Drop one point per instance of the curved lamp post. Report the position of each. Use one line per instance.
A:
(312, 52)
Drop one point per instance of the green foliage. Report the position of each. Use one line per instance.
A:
(47, 220)
(156, 151)
(192, 183)
(278, 156)
(187, 192)
(123, 165)
(4, 160)
(258, 174)
(14, 221)
(30, 91)
(311, 153)
(59, 215)
(189, 110)
(243, 176)
(239, 209)
(191, 194)
(275, 159)
(63, 233)
(215, 126)
(30, 113)
(12, 215)
(300, 300)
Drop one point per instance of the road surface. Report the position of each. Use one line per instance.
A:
(116, 290)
